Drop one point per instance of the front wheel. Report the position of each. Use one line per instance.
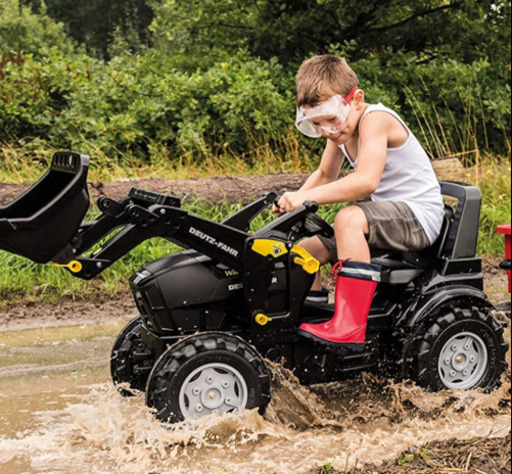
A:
(129, 360)
(463, 349)
(207, 373)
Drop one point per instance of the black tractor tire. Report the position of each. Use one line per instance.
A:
(123, 368)
(207, 373)
(462, 348)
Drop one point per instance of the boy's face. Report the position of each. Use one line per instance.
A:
(327, 118)
(346, 130)
(335, 119)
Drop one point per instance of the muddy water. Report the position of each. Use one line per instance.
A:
(59, 413)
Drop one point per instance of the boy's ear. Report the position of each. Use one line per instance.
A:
(359, 97)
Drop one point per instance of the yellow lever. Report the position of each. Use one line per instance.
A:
(75, 266)
(309, 263)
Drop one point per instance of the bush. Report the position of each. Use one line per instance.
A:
(231, 104)
(23, 32)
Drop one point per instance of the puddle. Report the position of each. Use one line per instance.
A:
(60, 413)
(43, 369)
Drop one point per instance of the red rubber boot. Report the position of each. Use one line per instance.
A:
(355, 287)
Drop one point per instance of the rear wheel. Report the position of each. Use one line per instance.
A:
(463, 349)
(129, 361)
(207, 373)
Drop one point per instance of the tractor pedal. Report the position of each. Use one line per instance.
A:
(352, 347)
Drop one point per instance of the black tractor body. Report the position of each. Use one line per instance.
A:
(211, 315)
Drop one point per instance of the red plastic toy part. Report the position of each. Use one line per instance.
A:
(506, 231)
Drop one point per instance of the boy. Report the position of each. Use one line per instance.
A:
(406, 210)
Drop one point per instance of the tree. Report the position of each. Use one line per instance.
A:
(291, 30)
(99, 23)
(21, 31)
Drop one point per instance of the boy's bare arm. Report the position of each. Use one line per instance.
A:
(327, 172)
(329, 168)
(358, 185)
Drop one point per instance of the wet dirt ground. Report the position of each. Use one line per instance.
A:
(59, 412)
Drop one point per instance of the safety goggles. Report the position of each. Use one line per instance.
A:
(330, 116)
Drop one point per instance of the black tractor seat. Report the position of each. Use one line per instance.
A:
(456, 242)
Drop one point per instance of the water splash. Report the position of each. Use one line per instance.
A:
(369, 419)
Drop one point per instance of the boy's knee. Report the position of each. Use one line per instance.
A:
(350, 218)
(312, 244)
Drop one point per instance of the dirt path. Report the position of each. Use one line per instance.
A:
(25, 315)
(231, 188)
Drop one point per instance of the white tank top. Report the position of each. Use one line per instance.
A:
(409, 177)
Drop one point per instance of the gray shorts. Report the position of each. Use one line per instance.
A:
(393, 226)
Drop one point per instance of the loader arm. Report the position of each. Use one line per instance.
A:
(141, 219)
(45, 225)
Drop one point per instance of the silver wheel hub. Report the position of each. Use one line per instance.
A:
(463, 361)
(212, 388)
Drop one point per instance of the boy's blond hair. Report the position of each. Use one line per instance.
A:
(322, 77)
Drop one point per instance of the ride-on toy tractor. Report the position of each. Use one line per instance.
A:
(211, 315)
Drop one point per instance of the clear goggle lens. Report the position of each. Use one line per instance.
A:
(330, 116)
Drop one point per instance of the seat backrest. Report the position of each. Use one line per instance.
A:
(459, 233)
(462, 236)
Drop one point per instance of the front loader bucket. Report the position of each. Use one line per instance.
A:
(41, 223)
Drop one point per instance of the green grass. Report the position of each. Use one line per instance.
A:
(20, 278)
(493, 179)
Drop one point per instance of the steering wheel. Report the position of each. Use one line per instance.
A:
(312, 223)
(315, 225)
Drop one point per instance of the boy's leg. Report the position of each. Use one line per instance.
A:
(317, 249)
(356, 283)
(351, 228)
(386, 225)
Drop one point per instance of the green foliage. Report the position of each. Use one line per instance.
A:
(105, 27)
(453, 107)
(23, 32)
(218, 83)
(203, 31)
(35, 91)
(293, 29)
(136, 101)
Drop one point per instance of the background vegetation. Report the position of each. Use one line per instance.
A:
(146, 81)
(183, 88)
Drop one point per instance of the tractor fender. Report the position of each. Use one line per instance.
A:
(430, 305)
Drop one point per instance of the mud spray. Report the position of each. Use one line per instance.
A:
(347, 424)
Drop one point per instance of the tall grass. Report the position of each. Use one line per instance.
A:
(493, 179)
(26, 161)
(444, 136)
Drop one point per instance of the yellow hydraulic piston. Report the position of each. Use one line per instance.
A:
(309, 263)
(266, 247)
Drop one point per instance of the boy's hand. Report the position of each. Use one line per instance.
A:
(290, 201)
(277, 211)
